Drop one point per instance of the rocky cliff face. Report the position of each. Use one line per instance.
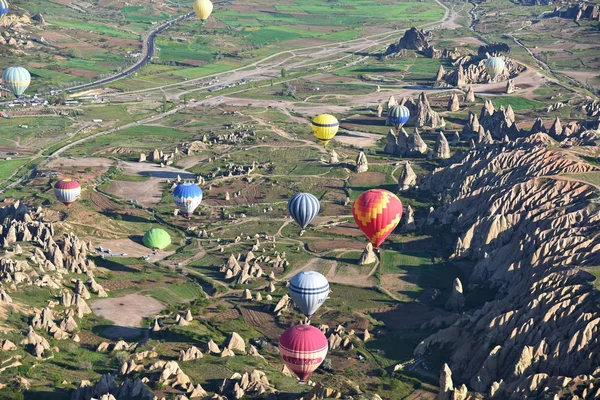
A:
(471, 69)
(413, 39)
(529, 235)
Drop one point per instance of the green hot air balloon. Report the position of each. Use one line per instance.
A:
(16, 79)
(156, 238)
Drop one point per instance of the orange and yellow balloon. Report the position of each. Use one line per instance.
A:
(377, 212)
(325, 127)
(203, 9)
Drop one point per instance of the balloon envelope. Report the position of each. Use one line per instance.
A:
(203, 8)
(16, 79)
(303, 207)
(156, 238)
(494, 66)
(325, 127)
(187, 197)
(377, 212)
(309, 289)
(303, 348)
(67, 191)
(3, 8)
(398, 116)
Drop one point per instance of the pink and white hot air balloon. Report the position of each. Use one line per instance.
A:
(303, 348)
(67, 191)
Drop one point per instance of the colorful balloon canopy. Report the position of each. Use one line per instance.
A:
(16, 79)
(156, 238)
(309, 290)
(398, 116)
(187, 196)
(67, 191)
(303, 348)
(203, 8)
(494, 66)
(377, 212)
(325, 127)
(3, 8)
(303, 207)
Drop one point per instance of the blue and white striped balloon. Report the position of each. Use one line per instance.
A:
(16, 79)
(494, 66)
(303, 207)
(309, 290)
(187, 197)
(3, 8)
(398, 116)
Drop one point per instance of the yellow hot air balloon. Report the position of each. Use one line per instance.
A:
(325, 127)
(203, 9)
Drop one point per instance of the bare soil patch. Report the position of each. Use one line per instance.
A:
(262, 321)
(126, 312)
(373, 178)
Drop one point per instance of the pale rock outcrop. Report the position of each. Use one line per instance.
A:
(470, 95)
(415, 144)
(193, 353)
(212, 348)
(362, 165)
(368, 255)
(235, 342)
(456, 302)
(453, 103)
(441, 150)
(408, 178)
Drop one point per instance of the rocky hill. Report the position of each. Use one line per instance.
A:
(529, 234)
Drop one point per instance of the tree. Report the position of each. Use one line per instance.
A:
(283, 72)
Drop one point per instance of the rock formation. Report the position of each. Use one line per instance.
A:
(408, 178)
(441, 150)
(368, 255)
(530, 238)
(510, 87)
(456, 302)
(415, 144)
(413, 39)
(235, 342)
(362, 165)
(421, 113)
(470, 95)
(453, 103)
(107, 386)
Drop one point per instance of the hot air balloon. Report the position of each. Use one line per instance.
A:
(303, 207)
(156, 238)
(16, 79)
(203, 9)
(377, 212)
(187, 197)
(67, 191)
(3, 8)
(397, 116)
(303, 348)
(494, 66)
(325, 127)
(309, 290)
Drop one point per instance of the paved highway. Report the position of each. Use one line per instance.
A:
(148, 48)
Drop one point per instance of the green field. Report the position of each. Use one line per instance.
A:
(9, 167)
(517, 103)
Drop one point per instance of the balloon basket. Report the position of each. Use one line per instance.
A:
(301, 382)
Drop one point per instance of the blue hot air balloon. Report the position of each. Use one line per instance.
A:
(16, 79)
(187, 197)
(397, 116)
(303, 207)
(309, 290)
(3, 8)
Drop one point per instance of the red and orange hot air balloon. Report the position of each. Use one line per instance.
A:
(377, 212)
(67, 191)
(303, 348)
